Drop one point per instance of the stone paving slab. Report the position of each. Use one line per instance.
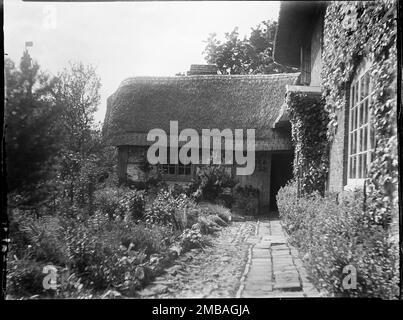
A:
(275, 269)
(261, 261)
(260, 253)
(263, 245)
(280, 247)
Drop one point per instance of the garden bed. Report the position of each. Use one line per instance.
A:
(336, 238)
(114, 252)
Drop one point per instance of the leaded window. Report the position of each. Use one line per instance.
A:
(361, 135)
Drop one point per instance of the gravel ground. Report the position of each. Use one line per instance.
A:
(209, 273)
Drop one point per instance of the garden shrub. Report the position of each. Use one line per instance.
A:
(211, 184)
(333, 235)
(169, 210)
(193, 238)
(246, 199)
(111, 256)
(40, 237)
(107, 202)
(150, 183)
(121, 203)
(108, 248)
(24, 277)
(216, 209)
(179, 189)
(98, 252)
(133, 204)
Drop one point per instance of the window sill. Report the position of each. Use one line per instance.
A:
(168, 177)
(354, 184)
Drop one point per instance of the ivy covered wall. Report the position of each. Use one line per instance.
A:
(353, 31)
(309, 127)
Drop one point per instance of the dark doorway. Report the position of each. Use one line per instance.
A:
(281, 172)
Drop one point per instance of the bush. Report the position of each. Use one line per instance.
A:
(179, 189)
(246, 199)
(41, 238)
(170, 210)
(219, 210)
(211, 184)
(110, 257)
(332, 236)
(98, 252)
(24, 277)
(150, 183)
(120, 203)
(107, 202)
(111, 248)
(192, 239)
(133, 204)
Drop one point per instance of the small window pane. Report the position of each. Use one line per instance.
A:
(354, 142)
(351, 144)
(367, 83)
(352, 96)
(366, 111)
(356, 118)
(352, 120)
(187, 170)
(354, 165)
(364, 165)
(171, 169)
(362, 88)
(365, 139)
(360, 166)
(356, 93)
(350, 168)
(181, 170)
(361, 113)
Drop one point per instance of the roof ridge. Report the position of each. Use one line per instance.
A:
(145, 79)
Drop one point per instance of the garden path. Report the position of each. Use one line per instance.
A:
(246, 259)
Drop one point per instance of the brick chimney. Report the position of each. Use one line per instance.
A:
(198, 69)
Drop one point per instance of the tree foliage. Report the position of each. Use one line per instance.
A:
(250, 55)
(31, 133)
(77, 94)
(54, 148)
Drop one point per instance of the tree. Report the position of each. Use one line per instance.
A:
(76, 94)
(31, 133)
(253, 55)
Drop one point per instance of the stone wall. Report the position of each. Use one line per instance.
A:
(337, 176)
(316, 51)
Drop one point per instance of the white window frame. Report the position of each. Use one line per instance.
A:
(187, 170)
(358, 182)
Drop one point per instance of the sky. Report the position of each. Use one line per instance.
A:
(125, 39)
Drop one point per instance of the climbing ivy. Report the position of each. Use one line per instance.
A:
(309, 126)
(354, 30)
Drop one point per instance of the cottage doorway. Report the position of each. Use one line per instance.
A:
(281, 173)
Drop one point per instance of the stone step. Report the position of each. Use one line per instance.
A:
(287, 281)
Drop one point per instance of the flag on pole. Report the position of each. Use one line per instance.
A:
(29, 44)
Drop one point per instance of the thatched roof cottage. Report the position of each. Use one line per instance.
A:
(203, 101)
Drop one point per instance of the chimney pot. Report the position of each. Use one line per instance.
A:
(199, 69)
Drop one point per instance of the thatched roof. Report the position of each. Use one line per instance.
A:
(295, 22)
(198, 102)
